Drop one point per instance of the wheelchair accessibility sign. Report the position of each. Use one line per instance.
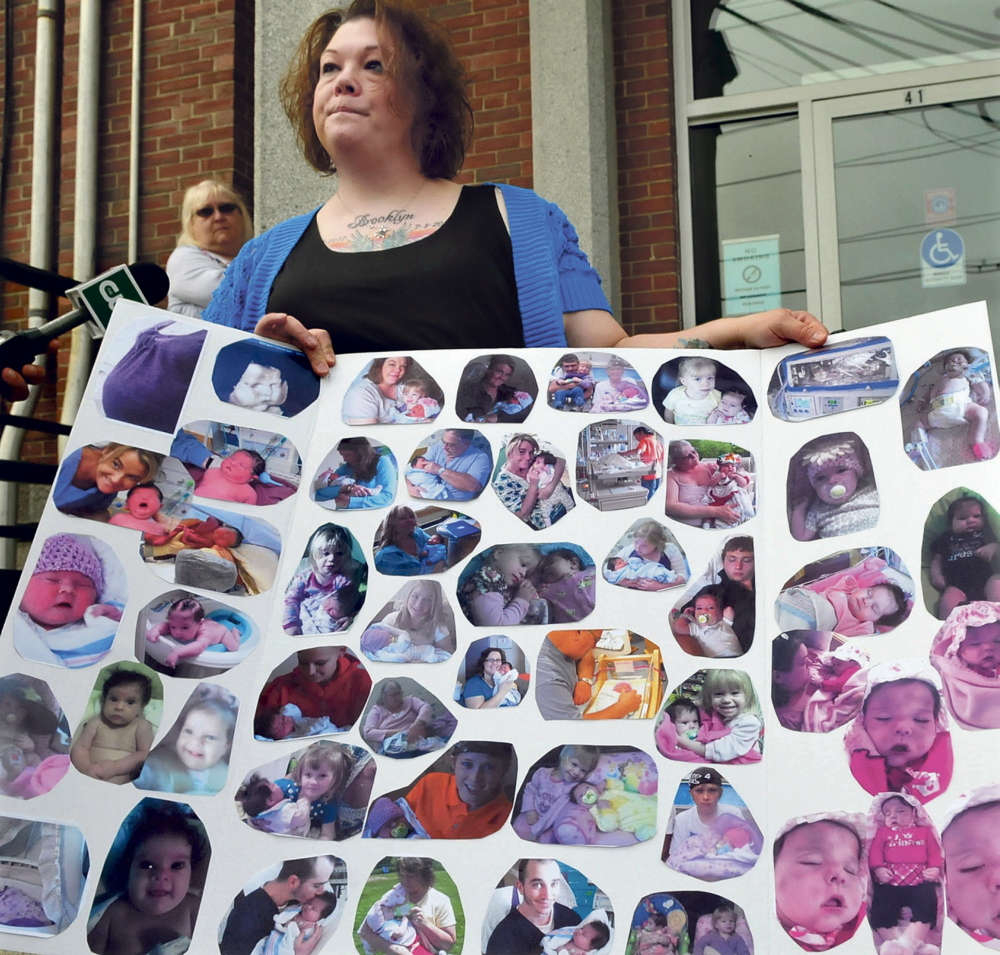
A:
(942, 259)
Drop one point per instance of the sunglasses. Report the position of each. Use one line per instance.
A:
(226, 208)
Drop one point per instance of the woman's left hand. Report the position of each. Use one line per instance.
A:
(314, 342)
(779, 326)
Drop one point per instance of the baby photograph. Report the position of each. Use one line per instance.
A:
(598, 675)
(404, 720)
(531, 481)
(966, 652)
(948, 410)
(357, 474)
(428, 540)
(34, 737)
(622, 464)
(496, 388)
(328, 587)
(316, 692)
(393, 390)
(450, 465)
(546, 906)
(701, 923)
(588, 796)
(264, 377)
(73, 599)
(701, 390)
(217, 550)
(857, 373)
(186, 635)
(494, 674)
(711, 833)
(714, 716)
(233, 463)
(143, 373)
(512, 584)
(319, 792)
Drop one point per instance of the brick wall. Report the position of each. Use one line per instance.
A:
(492, 40)
(197, 107)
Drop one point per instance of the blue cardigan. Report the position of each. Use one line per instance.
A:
(552, 273)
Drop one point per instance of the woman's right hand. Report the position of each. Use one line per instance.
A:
(314, 342)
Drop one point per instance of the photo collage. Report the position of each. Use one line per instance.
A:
(738, 614)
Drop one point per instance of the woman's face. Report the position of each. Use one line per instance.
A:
(492, 664)
(219, 232)
(798, 676)
(406, 522)
(393, 370)
(687, 457)
(419, 603)
(353, 100)
(414, 886)
(519, 457)
(121, 470)
(499, 375)
(392, 698)
(350, 456)
(615, 373)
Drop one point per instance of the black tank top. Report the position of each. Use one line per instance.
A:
(453, 289)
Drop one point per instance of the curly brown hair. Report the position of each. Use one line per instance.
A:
(422, 63)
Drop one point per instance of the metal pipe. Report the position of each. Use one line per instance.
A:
(45, 146)
(85, 196)
(135, 134)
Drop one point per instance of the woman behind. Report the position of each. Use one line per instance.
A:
(405, 549)
(365, 479)
(215, 224)
(430, 911)
(485, 689)
(376, 93)
(524, 488)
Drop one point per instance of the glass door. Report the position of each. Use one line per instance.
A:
(908, 202)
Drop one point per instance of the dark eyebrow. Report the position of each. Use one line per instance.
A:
(372, 46)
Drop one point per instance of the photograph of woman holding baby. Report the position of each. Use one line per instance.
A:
(404, 549)
(530, 482)
(91, 478)
(647, 557)
(356, 475)
(405, 720)
(491, 680)
(393, 390)
(496, 388)
(710, 484)
(416, 626)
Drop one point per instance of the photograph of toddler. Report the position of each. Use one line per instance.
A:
(394, 390)
(405, 720)
(646, 557)
(72, 602)
(854, 593)
(900, 741)
(496, 388)
(264, 377)
(331, 780)
(970, 837)
(465, 794)
(356, 475)
(948, 411)
(966, 652)
(143, 373)
(820, 878)
(193, 756)
(314, 692)
(417, 626)
(34, 737)
(831, 488)
(906, 868)
(232, 463)
(700, 390)
(729, 721)
(113, 744)
(818, 680)
(152, 881)
(960, 553)
(328, 588)
(709, 838)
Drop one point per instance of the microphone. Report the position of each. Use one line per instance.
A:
(31, 277)
(20, 348)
